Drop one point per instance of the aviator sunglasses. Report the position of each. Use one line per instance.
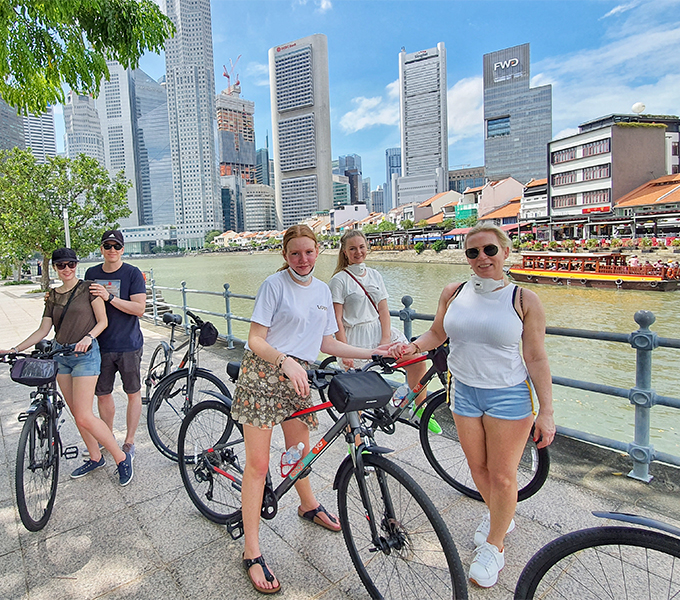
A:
(108, 246)
(60, 266)
(489, 250)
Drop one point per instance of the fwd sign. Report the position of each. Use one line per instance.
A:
(505, 64)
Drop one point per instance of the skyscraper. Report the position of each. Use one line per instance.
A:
(11, 127)
(262, 166)
(236, 134)
(517, 118)
(301, 128)
(190, 83)
(392, 167)
(40, 136)
(82, 128)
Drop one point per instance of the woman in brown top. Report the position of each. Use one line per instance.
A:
(78, 318)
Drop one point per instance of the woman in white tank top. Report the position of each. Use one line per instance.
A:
(485, 322)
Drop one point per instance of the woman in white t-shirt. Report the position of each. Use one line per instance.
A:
(360, 305)
(293, 320)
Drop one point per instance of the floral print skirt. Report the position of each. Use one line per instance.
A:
(264, 396)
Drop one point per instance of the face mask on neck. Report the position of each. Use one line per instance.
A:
(357, 269)
(483, 285)
(300, 278)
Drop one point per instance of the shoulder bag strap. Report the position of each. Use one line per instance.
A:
(455, 293)
(363, 288)
(73, 293)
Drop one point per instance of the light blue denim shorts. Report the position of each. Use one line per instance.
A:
(82, 364)
(512, 403)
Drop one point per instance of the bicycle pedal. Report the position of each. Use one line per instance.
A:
(235, 529)
(70, 452)
(22, 417)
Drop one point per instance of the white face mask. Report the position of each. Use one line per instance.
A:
(357, 269)
(300, 278)
(483, 285)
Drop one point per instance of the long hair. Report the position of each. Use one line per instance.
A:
(296, 231)
(483, 226)
(343, 261)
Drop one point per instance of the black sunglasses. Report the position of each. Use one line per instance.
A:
(489, 250)
(115, 246)
(60, 266)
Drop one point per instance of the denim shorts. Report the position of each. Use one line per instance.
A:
(512, 403)
(83, 364)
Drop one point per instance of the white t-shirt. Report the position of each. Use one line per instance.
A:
(357, 309)
(298, 317)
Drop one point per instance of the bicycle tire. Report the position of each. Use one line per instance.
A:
(169, 405)
(207, 439)
(444, 453)
(604, 562)
(418, 553)
(37, 470)
(159, 367)
(330, 362)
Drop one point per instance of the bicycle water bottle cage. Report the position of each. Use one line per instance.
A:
(70, 452)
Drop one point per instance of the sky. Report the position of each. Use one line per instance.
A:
(601, 57)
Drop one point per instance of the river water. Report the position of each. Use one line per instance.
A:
(573, 307)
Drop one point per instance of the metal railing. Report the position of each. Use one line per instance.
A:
(642, 396)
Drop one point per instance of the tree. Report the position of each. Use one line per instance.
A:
(470, 221)
(386, 226)
(370, 228)
(46, 43)
(423, 223)
(407, 224)
(448, 224)
(33, 198)
(211, 235)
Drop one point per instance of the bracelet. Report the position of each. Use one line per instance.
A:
(417, 347)
(90, 336)
(16, 351)
(280, 360)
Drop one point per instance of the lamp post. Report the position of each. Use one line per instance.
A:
(67, 233)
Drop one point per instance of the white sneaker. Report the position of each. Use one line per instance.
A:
(482, 531)
(486, 565)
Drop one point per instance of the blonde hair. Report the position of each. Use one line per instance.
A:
(484, 226)
(343, 261)
(294, 232)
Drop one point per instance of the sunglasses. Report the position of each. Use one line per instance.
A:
(489, 250)
(109, 246)
(60, 266)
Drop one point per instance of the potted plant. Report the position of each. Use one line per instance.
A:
(592, 243)
(554, 246)
(537, 247)
(675, 244)
(645, 244)
(615, 245)
(525, 246)
(569, 245)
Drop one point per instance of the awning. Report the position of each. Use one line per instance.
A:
(510, 226)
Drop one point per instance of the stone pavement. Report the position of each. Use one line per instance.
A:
(147, 541)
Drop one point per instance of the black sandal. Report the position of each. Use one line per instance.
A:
(313, 516)
(249, 562)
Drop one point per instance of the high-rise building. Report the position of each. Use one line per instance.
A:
(236, 134)
(349, 161)
(377, 200)
(82, 128)
(301, 128)
(366, 191)
(350, 166)
(517, 118)
(341, 191)
(461, 179)
(260, 208)
(423, 114)
(11, 127)
(190, 83)
(392, 167)
(232, 201)
(40, 136)
(262, 166)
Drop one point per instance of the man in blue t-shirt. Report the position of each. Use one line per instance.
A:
(123, 289)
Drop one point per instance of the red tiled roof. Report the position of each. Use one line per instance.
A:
(431, 200)
(663, 190)
(511, 209)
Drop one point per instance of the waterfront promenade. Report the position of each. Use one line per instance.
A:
(147, 541)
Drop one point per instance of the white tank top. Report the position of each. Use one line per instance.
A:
(484, 332)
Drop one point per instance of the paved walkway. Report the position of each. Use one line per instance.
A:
(147, 541)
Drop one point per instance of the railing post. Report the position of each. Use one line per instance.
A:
(227, 301)
(642, 395)
(154, 305)
(184, 307)
(406, 315)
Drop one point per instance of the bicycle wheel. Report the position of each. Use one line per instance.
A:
(414, 556)
(444, 453)
(330, 362)
(211, 460)
(604, 562)
(170, 403)
(37, 470)
(159, 367)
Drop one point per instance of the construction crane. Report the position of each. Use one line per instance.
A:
(232, 88)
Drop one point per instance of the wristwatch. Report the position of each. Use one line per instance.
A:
(110, 298)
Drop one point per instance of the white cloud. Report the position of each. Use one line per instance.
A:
(569, 131)
(322, 6)
(257, 73)
(620, 9)
(373, 111)
(465, 109)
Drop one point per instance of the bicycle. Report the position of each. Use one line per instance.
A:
(178, 391)
(396, 538)
(160, 365)
(40, 447)
(437, 429)
(606, 562)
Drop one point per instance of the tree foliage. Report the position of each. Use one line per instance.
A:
(44, 43)
(386, 226)
(211, 235)
(33, 197)
(407, 224)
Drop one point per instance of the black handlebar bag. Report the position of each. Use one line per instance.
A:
(208, 334)
(34, 372)
(358, 390)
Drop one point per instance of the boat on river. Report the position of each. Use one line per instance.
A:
(594, 269)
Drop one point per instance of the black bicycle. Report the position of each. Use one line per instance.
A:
(437, 429)
(178, 391)
(607, 562)
(396, 538)
(40, 448)
(160, 365)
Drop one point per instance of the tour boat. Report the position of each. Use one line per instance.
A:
(594, 269)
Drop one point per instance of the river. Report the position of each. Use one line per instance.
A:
(573, 307)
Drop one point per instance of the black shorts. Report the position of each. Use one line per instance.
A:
(128, 364)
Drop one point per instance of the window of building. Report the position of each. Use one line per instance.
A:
(596, 172)
(564, 201)
(564, 178)
(596, 197)
(675, 169)
(560, 156)
(597, 147)
(498, 127)
(674, 148)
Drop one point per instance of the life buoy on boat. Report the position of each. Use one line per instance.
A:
(618, 282)
(584, 281)
(653, 284)
(555, 279)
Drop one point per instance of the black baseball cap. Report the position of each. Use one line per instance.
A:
(113, 235)
(64, 255)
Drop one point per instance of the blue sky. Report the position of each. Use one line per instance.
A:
(600, 56)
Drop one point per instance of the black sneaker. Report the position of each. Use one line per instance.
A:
(125, 470)
(87, 467)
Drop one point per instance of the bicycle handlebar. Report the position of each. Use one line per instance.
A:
(195, 318)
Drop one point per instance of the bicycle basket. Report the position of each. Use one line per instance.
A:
(208, 335)
(34, 372)
(358, 390)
